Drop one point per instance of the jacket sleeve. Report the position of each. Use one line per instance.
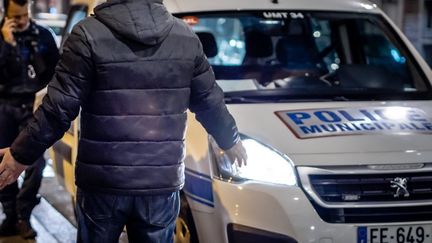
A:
(207, 102)
(67, 91)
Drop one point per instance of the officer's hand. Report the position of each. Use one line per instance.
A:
(10, 169)
(237, 154)
(7, 31)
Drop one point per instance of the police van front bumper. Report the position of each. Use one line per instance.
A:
(253, 210)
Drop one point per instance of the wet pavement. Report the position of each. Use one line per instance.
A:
(50, 224)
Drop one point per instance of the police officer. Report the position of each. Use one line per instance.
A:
(28, 55)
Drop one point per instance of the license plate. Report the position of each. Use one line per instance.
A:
(395, 234)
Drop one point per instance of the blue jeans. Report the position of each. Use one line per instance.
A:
(149, 218)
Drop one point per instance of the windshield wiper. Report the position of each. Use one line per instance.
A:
(340, 98)
(240, 99)
(293, 99)
(306, 95)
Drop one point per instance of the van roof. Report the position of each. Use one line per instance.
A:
(179, 6)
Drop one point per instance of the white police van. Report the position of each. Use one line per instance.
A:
(334, 107)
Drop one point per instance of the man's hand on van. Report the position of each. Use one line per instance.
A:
(237, 154)
(10, 169)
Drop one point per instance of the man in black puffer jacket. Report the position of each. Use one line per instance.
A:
(134, 70)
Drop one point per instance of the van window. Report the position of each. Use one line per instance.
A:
(308, 54)
(74, 19)
(76, 14)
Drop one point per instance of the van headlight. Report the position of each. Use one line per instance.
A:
(264, 164)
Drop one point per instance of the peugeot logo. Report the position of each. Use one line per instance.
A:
(401, 185)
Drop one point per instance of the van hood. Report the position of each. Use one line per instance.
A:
(341, 133)
(144, 21)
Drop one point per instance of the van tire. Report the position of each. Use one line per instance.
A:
(74, 206)
(185, 230)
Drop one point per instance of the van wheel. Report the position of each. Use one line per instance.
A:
(185, 231)
(74, 205)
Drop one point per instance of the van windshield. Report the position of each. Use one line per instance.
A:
(277, 55)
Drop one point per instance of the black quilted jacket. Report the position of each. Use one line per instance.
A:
(134, 70)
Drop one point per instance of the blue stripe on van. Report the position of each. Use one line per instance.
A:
(192, 197)
(199, 187)
(197, 173)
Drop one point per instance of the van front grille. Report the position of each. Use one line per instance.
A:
(372, 187)
(358, 194)
(374, 215)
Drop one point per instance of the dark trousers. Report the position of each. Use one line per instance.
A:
(148, 219)
(19, 203)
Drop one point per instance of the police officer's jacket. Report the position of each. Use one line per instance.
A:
(29, 66)
(134, 70)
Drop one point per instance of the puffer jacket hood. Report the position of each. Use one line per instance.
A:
(145, 21)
